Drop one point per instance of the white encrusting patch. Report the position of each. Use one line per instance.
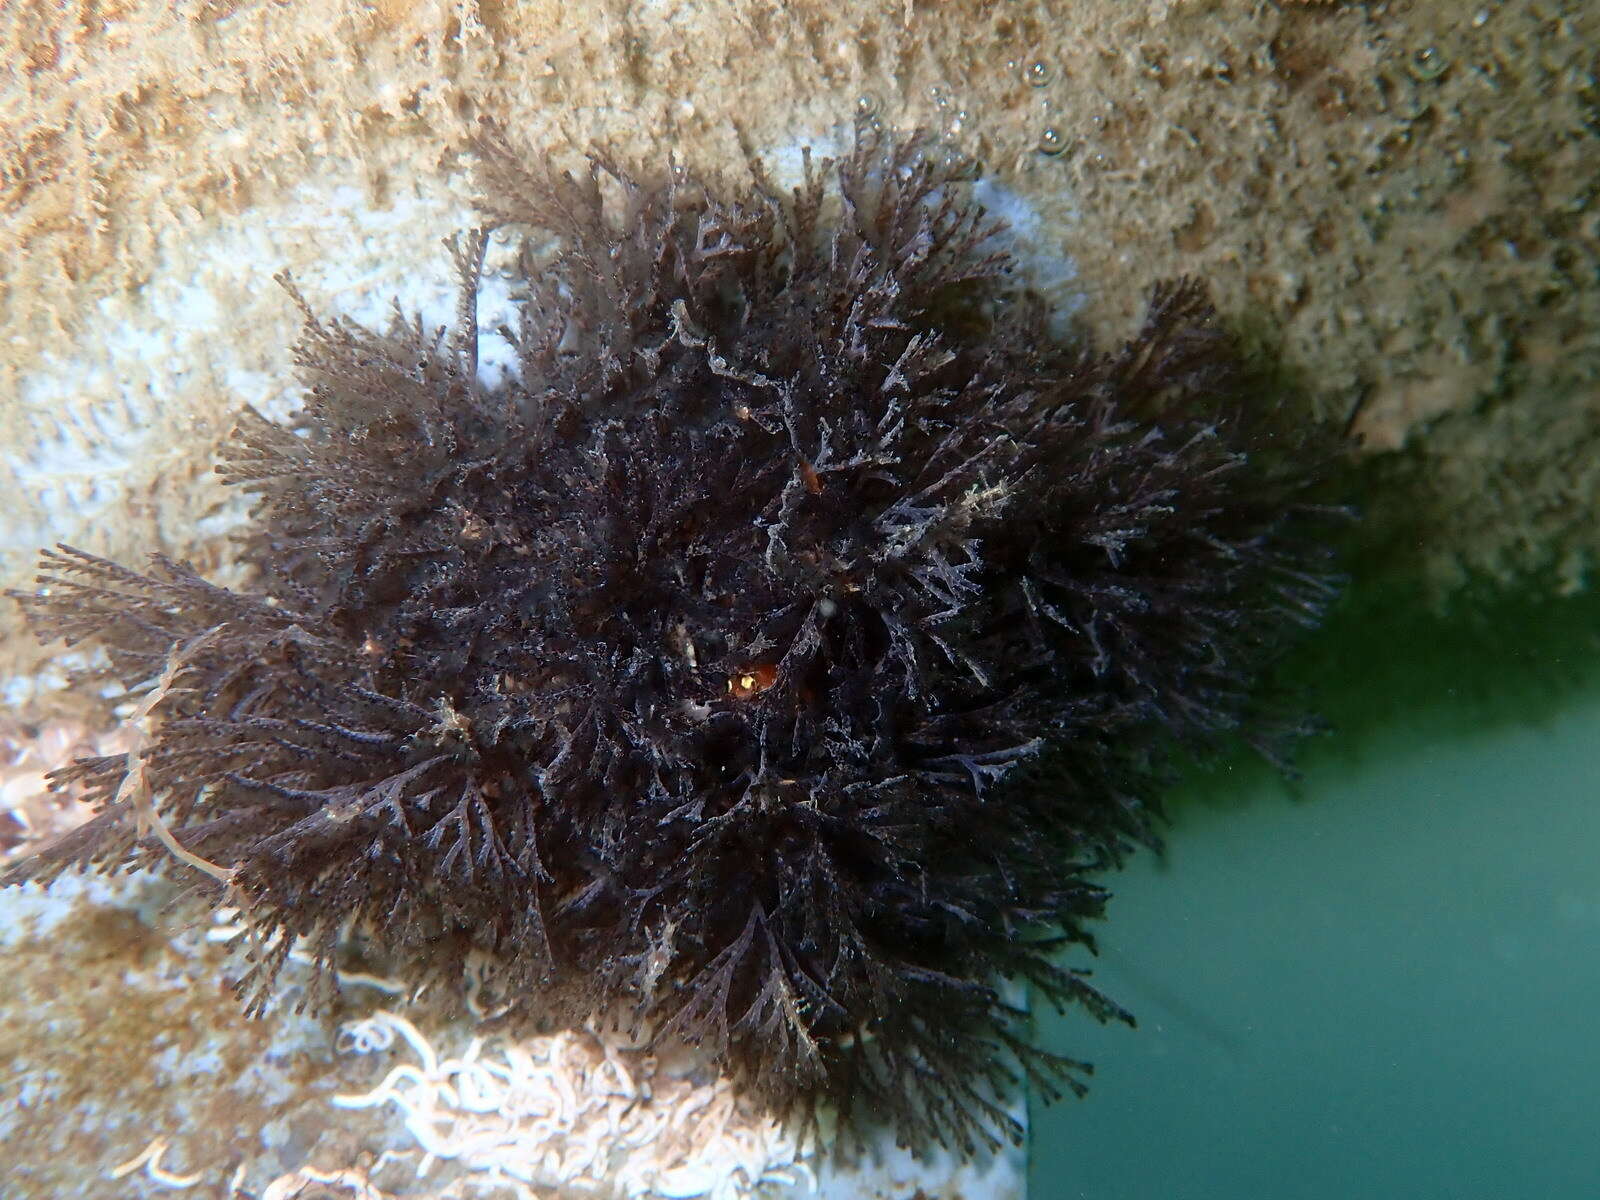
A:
(578, 1112)
(92, 422)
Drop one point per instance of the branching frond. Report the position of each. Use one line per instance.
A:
(775, 659)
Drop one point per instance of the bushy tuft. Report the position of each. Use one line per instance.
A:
(773, 660)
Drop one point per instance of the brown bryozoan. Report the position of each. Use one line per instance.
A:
(774, 658)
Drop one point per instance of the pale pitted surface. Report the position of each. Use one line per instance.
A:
(1393, 191)
(132, 1073)
(1398, 193)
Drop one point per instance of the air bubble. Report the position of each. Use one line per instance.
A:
(1427, 65)
(1039, 73)
(962, 167)
(1051, 142)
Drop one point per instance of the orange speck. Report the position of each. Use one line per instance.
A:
(754, 680)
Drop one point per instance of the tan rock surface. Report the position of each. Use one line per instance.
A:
(1398, 195)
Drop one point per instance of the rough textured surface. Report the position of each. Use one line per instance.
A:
(115, 1032)
(1400, 195)
(1395, 193)
(130, 1073)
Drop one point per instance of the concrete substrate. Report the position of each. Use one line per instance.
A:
(1397, 200)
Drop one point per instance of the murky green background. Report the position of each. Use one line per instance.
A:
(1384, 982)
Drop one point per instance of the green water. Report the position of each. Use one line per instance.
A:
(1384, 982)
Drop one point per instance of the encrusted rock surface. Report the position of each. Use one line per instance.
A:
(130, 1071)
(117, 1031)
(1399, 197)
(1396, 195)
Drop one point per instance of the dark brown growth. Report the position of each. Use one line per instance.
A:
(776, 657)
